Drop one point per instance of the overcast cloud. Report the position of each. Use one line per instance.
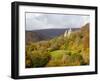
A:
(35, 21)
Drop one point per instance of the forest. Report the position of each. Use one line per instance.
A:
(59, 51)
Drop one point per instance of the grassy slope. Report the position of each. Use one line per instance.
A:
(58, 54)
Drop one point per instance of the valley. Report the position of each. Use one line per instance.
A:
(50, 48)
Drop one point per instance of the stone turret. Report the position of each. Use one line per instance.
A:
(66, 32)
(69, 31)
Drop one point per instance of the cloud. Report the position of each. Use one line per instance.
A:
(35, 21)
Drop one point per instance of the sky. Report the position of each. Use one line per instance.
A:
(37, 21)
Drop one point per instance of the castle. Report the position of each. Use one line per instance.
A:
(67, 32)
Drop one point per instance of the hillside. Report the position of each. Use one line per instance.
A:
(71, 50)
(44, 34)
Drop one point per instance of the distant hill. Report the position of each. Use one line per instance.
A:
(32, 37)
(44, 34)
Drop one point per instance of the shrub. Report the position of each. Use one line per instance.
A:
(28, 63)
(39, 58)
